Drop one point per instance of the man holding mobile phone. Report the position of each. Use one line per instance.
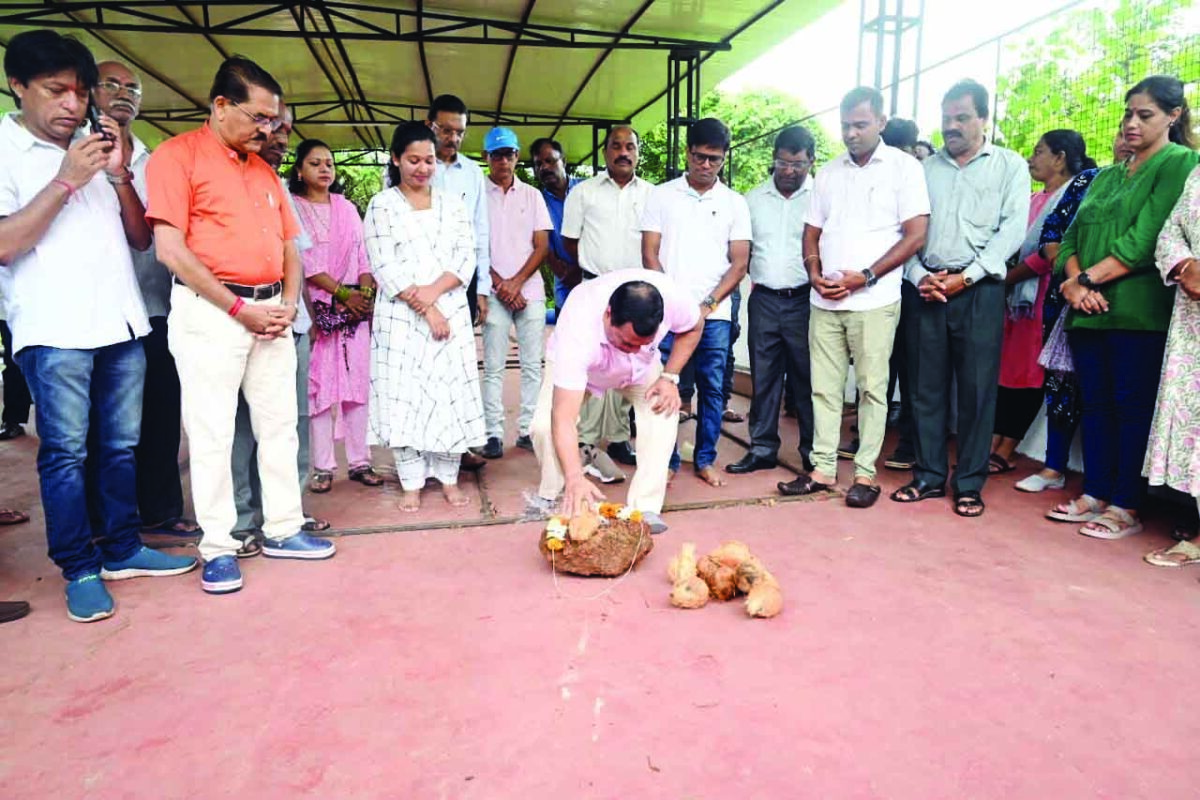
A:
(69, 218)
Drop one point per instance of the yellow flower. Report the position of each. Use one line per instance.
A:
(554, 544)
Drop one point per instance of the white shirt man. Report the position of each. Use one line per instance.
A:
(606, 218)
(778, 306)
(868, 215)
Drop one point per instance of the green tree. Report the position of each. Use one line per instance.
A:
(753, 118)
(1076, 76)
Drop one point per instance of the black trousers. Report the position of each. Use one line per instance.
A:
(959, 339)
(778, 347)
(16, 392)
(1016, 409)
(159, 493)
(898, 371)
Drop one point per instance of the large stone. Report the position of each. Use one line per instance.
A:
(610, 551)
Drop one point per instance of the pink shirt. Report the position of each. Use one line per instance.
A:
(513, 216)
(587, 360)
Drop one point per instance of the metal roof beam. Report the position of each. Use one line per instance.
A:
(145, 16)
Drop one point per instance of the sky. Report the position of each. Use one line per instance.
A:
(832, 44)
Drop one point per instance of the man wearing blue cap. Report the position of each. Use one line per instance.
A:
(519, 239)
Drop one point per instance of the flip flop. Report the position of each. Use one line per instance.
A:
(10, 516)
(1179, 554)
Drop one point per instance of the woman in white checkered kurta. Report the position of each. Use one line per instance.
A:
(425, 401)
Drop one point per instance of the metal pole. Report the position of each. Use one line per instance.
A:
(879, 44)
(862, 32)
(917, 71)
(899, 33)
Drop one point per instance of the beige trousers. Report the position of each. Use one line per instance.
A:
(834, 337)
(604, 419)
(656, 440)
(215, 357)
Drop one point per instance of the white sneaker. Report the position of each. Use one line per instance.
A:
(597, 463)
(1036, 483)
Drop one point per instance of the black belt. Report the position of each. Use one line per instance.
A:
(263, 291)
(797, 291)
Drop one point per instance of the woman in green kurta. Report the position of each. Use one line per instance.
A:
(1120, 309)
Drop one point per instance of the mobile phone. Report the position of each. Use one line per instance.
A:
(93, 118)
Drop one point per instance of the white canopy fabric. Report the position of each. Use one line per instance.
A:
(352, 70)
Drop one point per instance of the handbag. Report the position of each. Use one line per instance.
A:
(1056, 354)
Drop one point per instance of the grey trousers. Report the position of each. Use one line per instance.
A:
(247, 494)
(778, 346)
(957, 340)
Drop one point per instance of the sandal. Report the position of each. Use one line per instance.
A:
(1114, 523)
(366, 476)
(249, 548)
(9, 516)
(175, 526)
(915, 491)
(729, 415)
(313, 524)
(320, 482)
(1179, 554)
(1084, 508)
(969, 504)
(998, 464)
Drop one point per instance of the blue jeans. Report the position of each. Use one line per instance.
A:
(708, 364)
(1118, 374)
(735, 333)
(68, 388)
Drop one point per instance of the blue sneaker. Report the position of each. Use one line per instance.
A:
(88, 600)
(301, 545)
(221, 575)
(147, 563)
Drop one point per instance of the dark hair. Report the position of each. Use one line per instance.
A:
(708, 132)
(446, 102)
(295, 184)
(32, 54)
(900, 133)
(236, 75)
(795, 139)
(407, 133)
(1167, 93)
(863, 94)
(637, 137)
(638, 302)
(927, 145)
(1073, 148)
(973, 89)
(539, 143)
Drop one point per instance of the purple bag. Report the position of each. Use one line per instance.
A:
(1056, 355)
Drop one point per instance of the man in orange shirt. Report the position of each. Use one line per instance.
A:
(223, 226)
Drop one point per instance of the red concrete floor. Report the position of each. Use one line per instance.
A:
(919, 655)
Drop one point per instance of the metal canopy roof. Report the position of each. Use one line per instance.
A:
(352, 70)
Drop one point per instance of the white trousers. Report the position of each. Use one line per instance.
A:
(215, 357)
(655, 442)
(531, 328)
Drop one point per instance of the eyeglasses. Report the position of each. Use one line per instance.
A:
(502, 154)
(707, 158)
(455, 132)
(797, 166)
(113, 87)
(259, 120)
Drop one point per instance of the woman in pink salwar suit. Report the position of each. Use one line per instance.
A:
(341, 290)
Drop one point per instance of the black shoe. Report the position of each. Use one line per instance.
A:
(493, 448)
(524, 442)
(622, 453)
(801, 486)
(862, 495)
(11, 432)
(750, 463)
(13, 609)
(849, 451)
(900, 460)
(893, 417)
(471, 462)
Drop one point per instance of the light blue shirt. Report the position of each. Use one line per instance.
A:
(464, 178)
(979, 214)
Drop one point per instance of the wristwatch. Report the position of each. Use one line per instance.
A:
(671, 376)
(968, 280)
(870, 277)
(1086, 281)
(711, 302)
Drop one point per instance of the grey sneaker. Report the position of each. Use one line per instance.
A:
(597, 463)
(655, 521)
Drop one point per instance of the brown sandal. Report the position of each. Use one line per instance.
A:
(320, 482)
(366, 476)
(9, 516)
